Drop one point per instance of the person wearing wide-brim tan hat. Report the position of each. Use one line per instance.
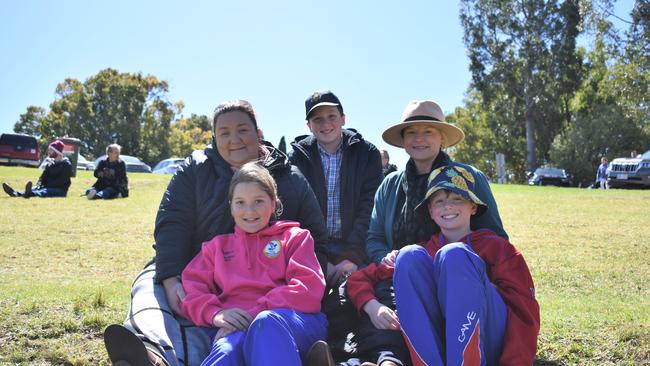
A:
(423, 113)
(423, 133)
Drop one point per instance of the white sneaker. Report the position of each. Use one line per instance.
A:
(91, 194)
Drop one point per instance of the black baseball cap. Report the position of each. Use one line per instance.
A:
(321, 98)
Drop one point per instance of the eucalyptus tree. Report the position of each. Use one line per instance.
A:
(525, 67)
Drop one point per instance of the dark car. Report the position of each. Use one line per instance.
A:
(549, 177)
(167, 166)
(19, 149)
(630, 172)
(133, 164)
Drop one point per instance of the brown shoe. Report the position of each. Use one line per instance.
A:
(319, 355)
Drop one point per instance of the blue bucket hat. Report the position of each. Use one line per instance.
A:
(453, 178)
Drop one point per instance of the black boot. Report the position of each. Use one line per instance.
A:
(125, 348)
(28, 190)
(10, 191)
(319, 355)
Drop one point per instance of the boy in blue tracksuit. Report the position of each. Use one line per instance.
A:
(464, 297)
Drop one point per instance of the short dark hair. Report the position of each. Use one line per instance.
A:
(238, 105)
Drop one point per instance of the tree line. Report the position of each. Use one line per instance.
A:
(535, 95)
(128, 108)
(540, 99)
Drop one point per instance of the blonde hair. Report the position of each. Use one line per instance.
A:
(254, 172)
(113, 147)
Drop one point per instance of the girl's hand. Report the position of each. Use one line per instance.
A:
(232, 319)
(381, 316)
(389, 259)
(222, 332)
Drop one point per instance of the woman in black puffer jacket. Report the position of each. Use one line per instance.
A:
(195, 208)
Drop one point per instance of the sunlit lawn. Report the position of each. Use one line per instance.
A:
(66, 265)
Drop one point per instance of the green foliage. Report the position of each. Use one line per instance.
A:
(611, 108)
(189, 134)
(525, 68)
(479, 146)
(127, 108)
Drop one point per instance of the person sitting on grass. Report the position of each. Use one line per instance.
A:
(463, 297)
(111, 176)
(258, 290)
(55, 179)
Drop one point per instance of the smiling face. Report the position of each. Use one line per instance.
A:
(251, 207)
(422, 143)
(452, 212)
(325, 123)
(236, 138)
(113, 154)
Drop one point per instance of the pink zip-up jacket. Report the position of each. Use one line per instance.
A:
(273, 268)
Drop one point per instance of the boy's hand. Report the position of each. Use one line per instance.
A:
(381, 316)
(389, 259)
(233, 319)
(175, 293)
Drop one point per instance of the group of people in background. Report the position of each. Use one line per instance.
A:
(112, 181)
(327, 256)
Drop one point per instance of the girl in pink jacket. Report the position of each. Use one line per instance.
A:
(260, 288)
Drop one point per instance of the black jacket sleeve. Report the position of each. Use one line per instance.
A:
(303, 207)
(100, 168)
(175, 224)
(370, 177)
(122, 180)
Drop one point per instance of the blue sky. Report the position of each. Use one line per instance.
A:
(376, 56)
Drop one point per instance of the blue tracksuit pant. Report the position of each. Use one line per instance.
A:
(450, 312)
(49, 192)
(275, 337)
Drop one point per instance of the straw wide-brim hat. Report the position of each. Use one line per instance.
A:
(423, 112)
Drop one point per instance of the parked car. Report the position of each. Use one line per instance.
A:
(83, 164)
(133, 164)
(19, 149)
(167, 166)
(549, 177)
(630, 172)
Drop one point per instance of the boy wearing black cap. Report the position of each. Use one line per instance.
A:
(344, 170)
(464, 297)
(55, 180)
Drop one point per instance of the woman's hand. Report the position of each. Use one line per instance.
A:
(175, 293)
(232, 319)
(381, 316)
(389, 259)
(335, 273)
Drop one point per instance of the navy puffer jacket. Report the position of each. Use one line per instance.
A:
(195, 208)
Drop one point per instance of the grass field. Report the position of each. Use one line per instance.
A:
(66, 267)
